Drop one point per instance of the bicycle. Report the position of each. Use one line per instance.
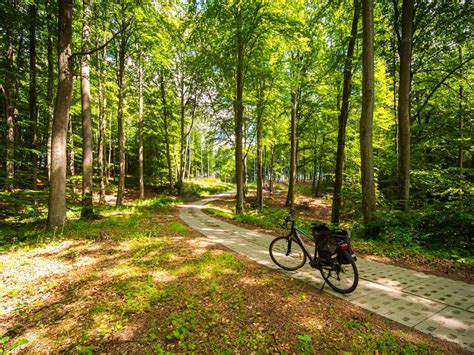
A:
(338, 270)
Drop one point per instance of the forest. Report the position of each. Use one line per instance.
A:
(361, 108)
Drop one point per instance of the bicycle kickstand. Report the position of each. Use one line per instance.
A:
(322, 287)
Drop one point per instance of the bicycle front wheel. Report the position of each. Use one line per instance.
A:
(342, 278)
(287, 253)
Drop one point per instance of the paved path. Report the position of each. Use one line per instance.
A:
(434, 305)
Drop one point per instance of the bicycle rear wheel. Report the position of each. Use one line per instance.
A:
(287, 253)
(342, 278)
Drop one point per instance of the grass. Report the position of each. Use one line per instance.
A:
(205, 187)
(28, 227)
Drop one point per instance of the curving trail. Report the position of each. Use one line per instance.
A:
(434, 305)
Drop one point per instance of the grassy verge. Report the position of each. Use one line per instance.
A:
(205, 187)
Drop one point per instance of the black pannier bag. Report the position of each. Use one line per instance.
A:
(345, 235)
(326, 245)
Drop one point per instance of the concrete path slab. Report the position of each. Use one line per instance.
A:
(434, 305)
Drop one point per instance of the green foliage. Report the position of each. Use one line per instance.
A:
(9, 345)
(205, 187)
(178, 227)
(386, 344)
(303, 344)
(447, 233)
(269, 217)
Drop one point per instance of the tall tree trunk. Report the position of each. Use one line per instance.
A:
(72, 171)
(108, 173)
(405, 52)
(461, 134)
(271, 172)
(201, 155)
(32, 10)
(315, 170)
(50, 82)
(239, 114)
(183, 144)
(101, 140)
(341, 136)
(190, 159)
(259, 163)
(290, 198)
(57, 191)
(166, 127)
(367, 114)
(140, 132)
(87, 208)
(121, 137)
(320, 169)
(10, 111)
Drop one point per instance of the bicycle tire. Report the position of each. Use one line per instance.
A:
(349, 271)
(281, 256)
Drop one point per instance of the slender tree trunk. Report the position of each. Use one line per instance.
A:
(183, 145)
(315, 170)
(167, 136)
(259, 163)
(190, 160)
(33, 96)
(121, 137)
(57, 191)
(321, 168)
(367, 114)
(109, 156)
(20, 157)
(272, 163)
(87, 207)
(201, 155)
(101, 140)
(239, 114)
(461, 134)
(208, 162)
(72, 171)
(290, 199)
(341, 136)
(140, 132)
(50, 83)
(405, 51)
(10, 112)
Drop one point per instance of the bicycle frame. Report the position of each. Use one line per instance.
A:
(294, 234)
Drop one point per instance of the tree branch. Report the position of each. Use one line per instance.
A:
(436, 87)
(92, 51)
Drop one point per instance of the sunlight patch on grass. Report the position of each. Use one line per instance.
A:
(177, 227)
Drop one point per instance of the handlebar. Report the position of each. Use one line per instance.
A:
(289, 218)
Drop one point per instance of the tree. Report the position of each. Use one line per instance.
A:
(140, 130)
(33, 96)
(8, 90)
(50, 82)
(122, 52)
(167, 133)
(239, 111)
(87, 208)
(405, 52)
(344, 114)
(366, 119)
(57, 192)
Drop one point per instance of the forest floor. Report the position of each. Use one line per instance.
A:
(310, 209)
(138, 280)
